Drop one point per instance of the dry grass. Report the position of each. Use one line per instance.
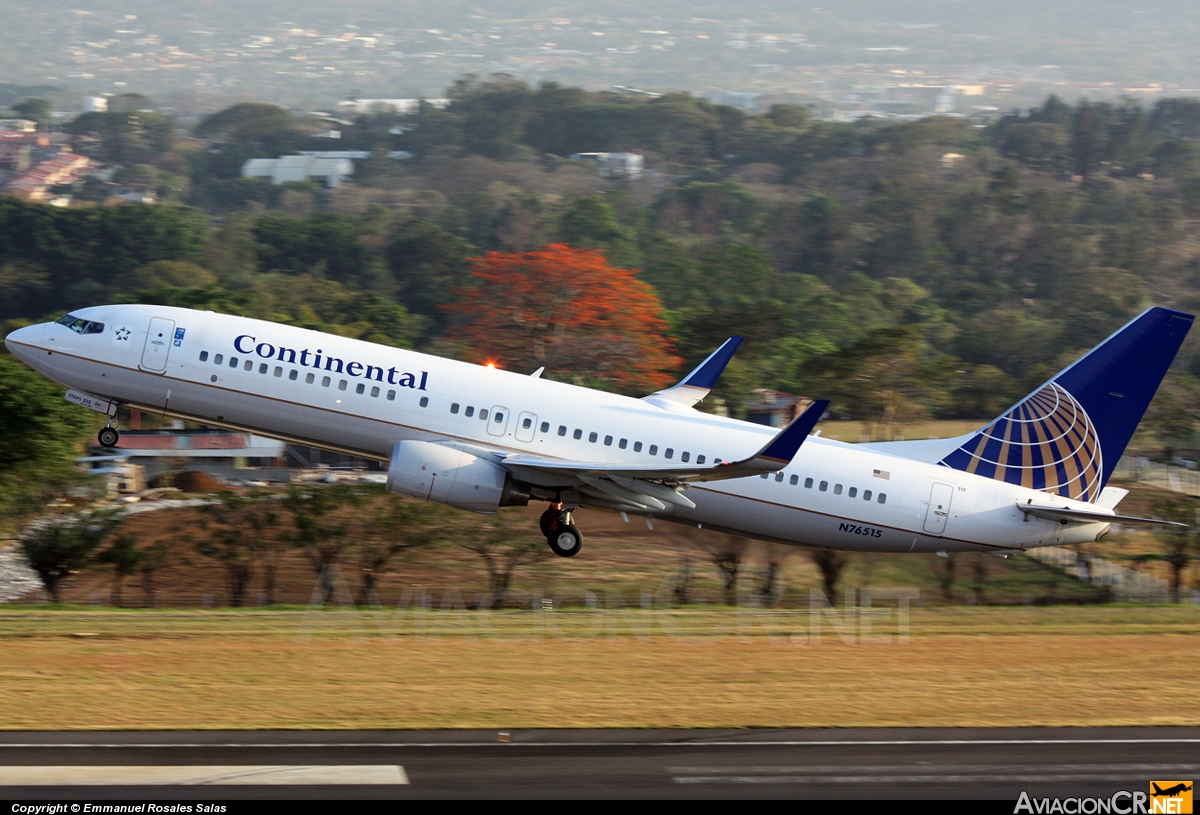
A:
(961, 667)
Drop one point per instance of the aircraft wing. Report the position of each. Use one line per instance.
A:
(774, 456)
(637, 486)
(1087, 516)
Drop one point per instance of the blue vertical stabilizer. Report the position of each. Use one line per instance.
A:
(1067, 436)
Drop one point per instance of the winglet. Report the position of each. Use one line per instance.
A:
(696, 385)
(783, 447)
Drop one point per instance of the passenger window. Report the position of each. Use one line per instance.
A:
(670, 451)
(837, 489)
(483, 414)
(699, 459)
(592, 437)
(653, 450)
(470, 411)
(293, 374)
(882, 498)
(716, 461)
(375, 390)
(424, 401)
(498, 418)
(310, 379)
(325, 381)
(528, 423)
(779, 477)
(808, 483)
(853, 493)
(249, 366)
(360, 388)
(545, 427)
(824, 486)
(637, 447)
(623, 443)
(342, 384)
(765, 476)
(218, 359)
(562, 430)
(204, 356)
(454, 408)
(262, 367)
(866, 495)
(278, 371)
(608, 440)
(578, 434)
(685, 457)
(794, 480)
(391, 397)
(233, 361)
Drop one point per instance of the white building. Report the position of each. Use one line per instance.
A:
(94, 104)
(402, 106)
(614, 165)
(330, 171)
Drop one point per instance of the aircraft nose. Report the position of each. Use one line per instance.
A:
(25, 342)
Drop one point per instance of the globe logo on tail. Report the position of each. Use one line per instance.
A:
(1047, 442)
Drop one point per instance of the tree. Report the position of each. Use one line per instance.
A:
(37, 110)
(568, 310)
(319, 529)
(125, 558)
(726, 553)
(504, 546)
(154, 559)
(42, 436)
(61, 545)
(1182, 546)
(830, 563)
(396, 528)
(234, 530)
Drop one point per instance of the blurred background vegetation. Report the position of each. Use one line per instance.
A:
(909, 271)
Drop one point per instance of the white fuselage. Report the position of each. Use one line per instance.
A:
(304, 386)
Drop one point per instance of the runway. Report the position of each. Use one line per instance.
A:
(942, 763)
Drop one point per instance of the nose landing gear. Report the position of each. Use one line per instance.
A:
(561, 533)
(108, 437)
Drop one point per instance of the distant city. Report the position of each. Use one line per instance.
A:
(896, 60)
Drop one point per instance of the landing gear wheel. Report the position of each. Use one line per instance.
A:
(108, 437)
(550, 519)
(565, 540)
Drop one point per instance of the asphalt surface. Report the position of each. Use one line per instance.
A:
(929, 763)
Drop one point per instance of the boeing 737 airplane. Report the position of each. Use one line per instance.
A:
(480, 438)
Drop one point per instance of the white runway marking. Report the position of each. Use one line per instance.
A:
(124, 775)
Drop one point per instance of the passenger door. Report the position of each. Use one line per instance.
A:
(498, 421)
(158, 345)
(526, 426)
(938, 511)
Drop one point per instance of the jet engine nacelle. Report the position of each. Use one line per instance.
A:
(435, 472)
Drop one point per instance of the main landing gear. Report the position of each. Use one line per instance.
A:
(108, 437)
(563, 536)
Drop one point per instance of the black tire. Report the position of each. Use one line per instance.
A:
(108, 437)
(565, 540)
(550, 519)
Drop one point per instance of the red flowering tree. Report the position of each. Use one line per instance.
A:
(569, 310)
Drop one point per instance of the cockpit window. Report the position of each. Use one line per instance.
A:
(80, 325)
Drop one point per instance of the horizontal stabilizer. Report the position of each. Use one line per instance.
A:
(1086, 516)
(696, 385)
